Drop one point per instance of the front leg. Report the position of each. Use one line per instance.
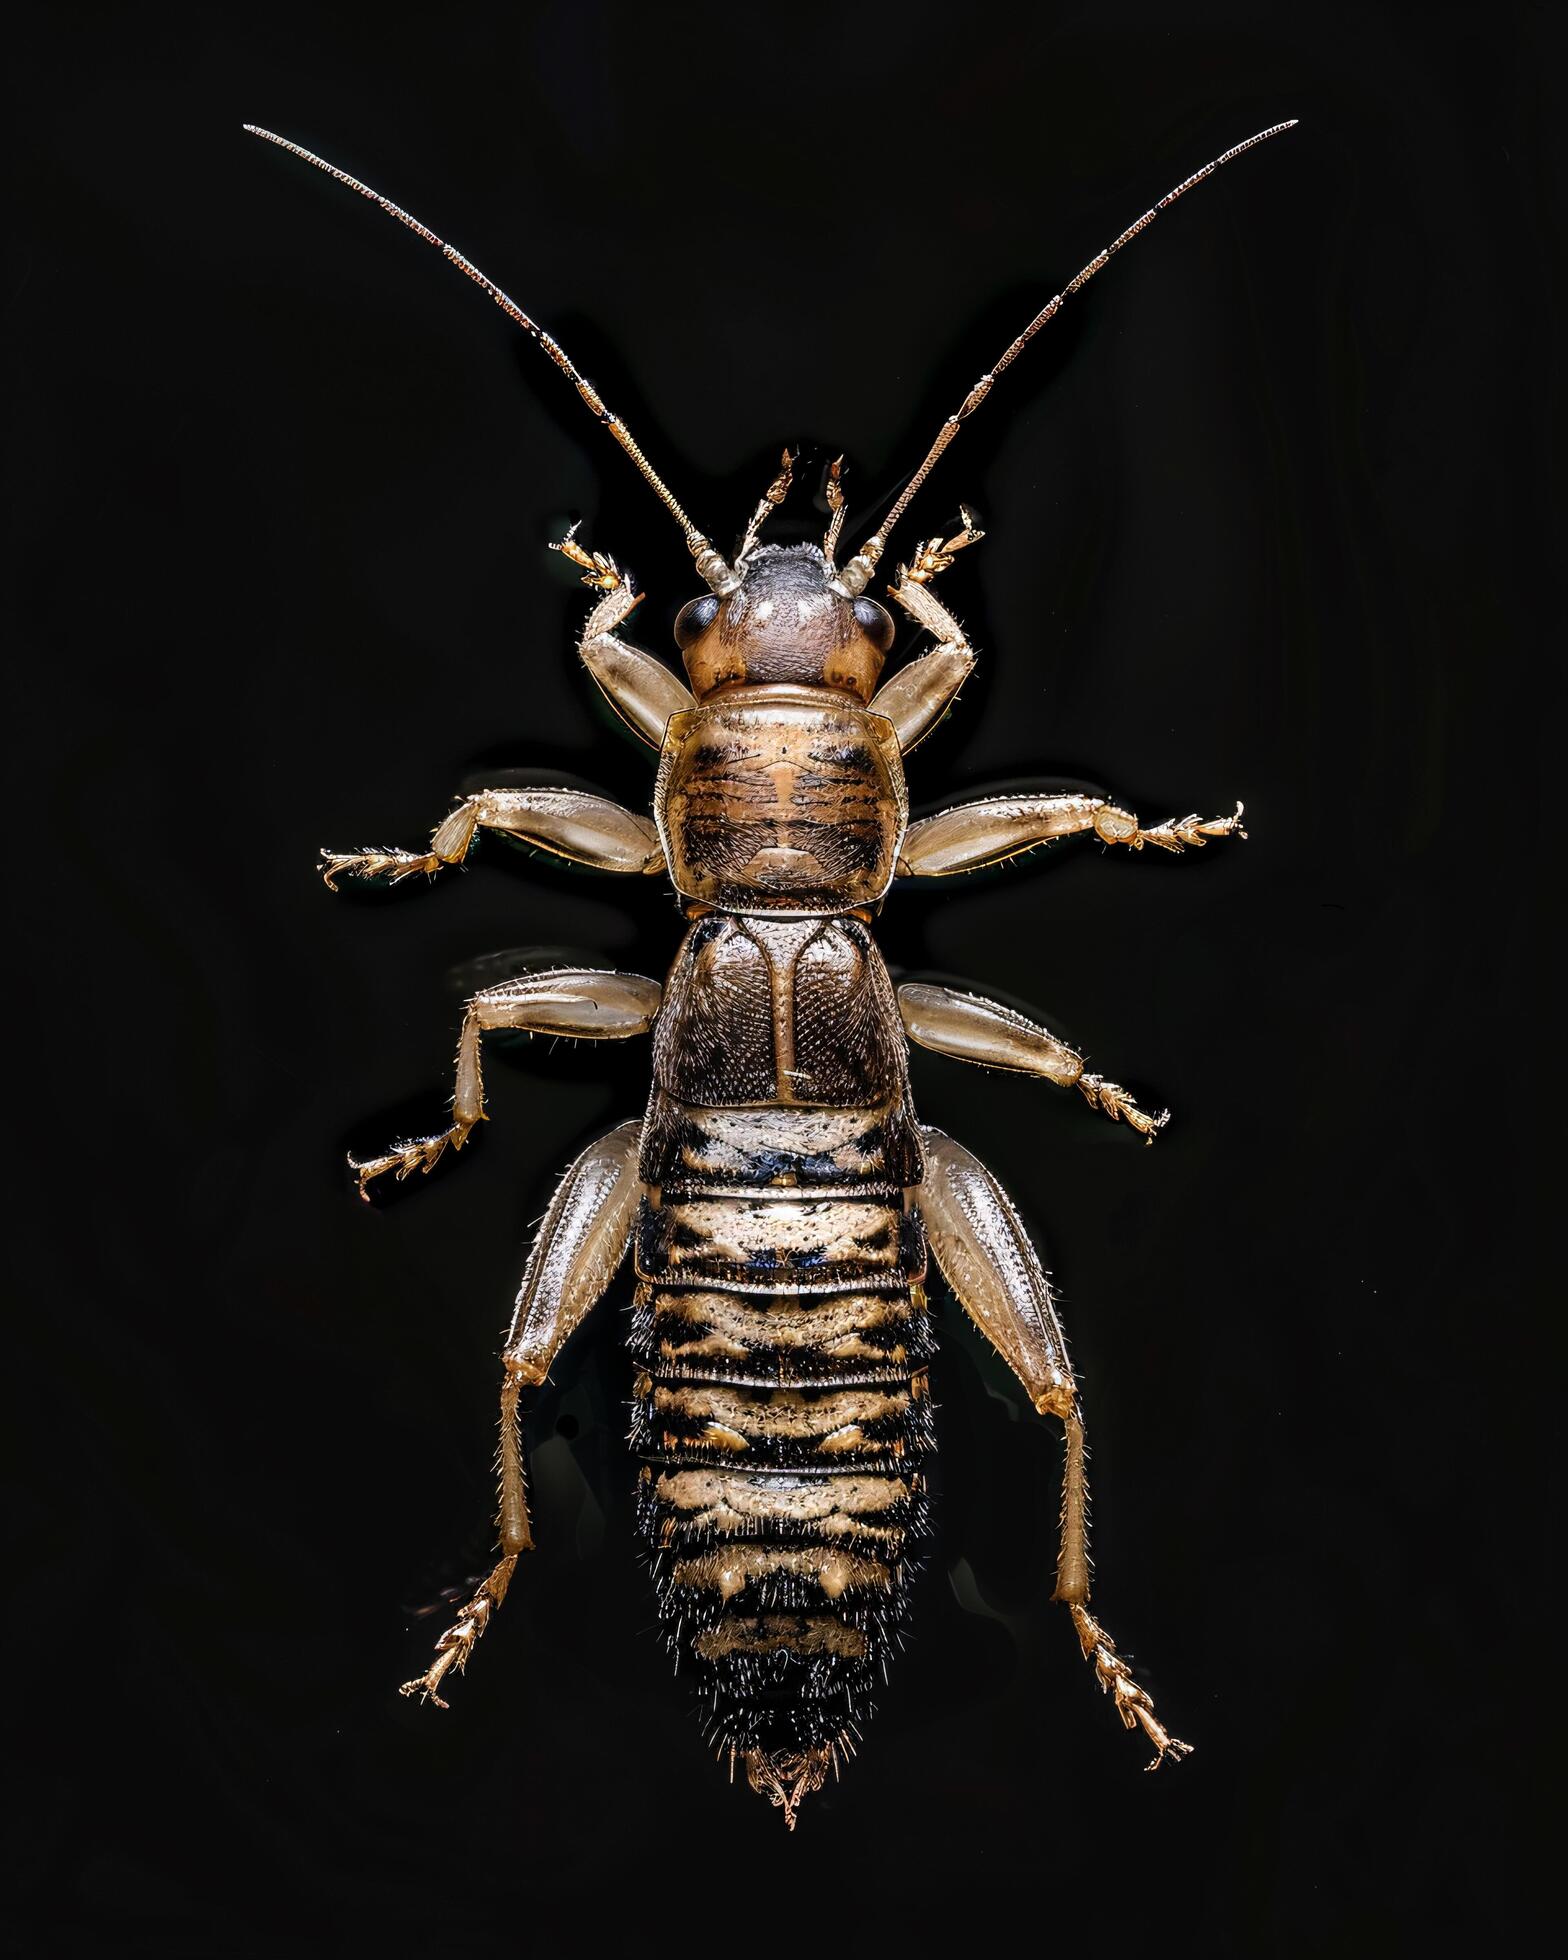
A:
(584, 1003)
(919, 695)
(641, 690)
(992, 829)
(571, 823)
(971, 1028)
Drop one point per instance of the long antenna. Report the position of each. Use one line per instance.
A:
(709, 563)
(857, 572)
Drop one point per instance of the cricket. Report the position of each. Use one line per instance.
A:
(779, 1197)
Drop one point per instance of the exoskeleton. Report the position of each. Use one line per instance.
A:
(779, 1195)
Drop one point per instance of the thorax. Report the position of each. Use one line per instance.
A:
(783, 799)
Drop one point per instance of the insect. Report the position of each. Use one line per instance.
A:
(779, 1195)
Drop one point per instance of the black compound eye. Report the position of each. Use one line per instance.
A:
(876, 622)
(695, 617)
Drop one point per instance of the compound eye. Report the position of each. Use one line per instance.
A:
(695, 617)
(876, 622)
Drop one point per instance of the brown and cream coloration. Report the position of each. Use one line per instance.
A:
(778, 1197)
(780, 1331)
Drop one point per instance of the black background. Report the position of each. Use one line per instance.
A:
(1267, 513)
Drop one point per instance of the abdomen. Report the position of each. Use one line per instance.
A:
(780, 1407)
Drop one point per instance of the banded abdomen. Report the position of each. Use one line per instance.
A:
(781, 1337)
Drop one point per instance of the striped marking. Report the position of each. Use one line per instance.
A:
(843, 1338)
(780, 1244)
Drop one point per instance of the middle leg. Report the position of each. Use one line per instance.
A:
(971, 1028)
(585, 1003)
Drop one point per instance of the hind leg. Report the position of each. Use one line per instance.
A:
(574, 1258)
(986, 1257)
(1133, 1704)
(459, 1640)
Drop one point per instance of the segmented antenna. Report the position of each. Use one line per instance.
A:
(857, 572)
(709, 563)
